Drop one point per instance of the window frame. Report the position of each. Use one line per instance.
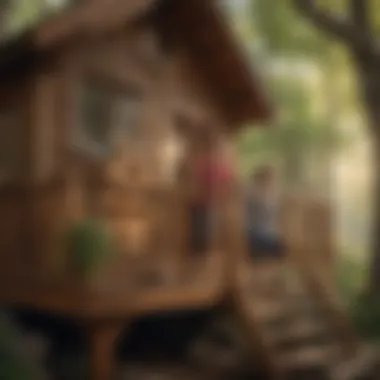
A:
(82, 139)
(15, 173)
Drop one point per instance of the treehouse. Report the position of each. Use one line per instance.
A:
(98, 106)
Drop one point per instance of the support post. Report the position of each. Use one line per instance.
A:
(102, 336)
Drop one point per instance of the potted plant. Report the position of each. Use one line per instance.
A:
(88, 246)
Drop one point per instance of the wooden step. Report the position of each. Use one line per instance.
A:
(308, 357)
(293, 299)
(279, 289)
(270, 310)
(159, 371)
(295, 287)
(267, 311)
(299, 330)
(276, 282)
(210, 354)
(362, 364)
(266, 278)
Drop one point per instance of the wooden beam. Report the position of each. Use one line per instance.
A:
(89, 16)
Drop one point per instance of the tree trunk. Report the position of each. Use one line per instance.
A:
(369, 76)
(374, 279)
(355, 33)
(4, 17)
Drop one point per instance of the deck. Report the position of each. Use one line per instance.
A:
(200, 287)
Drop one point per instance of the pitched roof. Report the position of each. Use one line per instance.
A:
(197, 24)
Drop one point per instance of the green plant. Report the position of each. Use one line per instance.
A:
(13, 363)
(351, 276)
(365, 314)
(88, 246)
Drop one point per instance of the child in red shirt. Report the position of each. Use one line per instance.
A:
(213, 175)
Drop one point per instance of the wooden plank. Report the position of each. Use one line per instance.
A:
(204, 290)
(308, 357)
(364, 363)
(321, 288)
(257, 341)
(87, 17)
(297, 330)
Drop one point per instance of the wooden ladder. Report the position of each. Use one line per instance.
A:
(300, 327)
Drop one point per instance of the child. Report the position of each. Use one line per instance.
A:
(263, 235)
(212, 176)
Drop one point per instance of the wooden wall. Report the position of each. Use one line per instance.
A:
(14, 238)
(66, 184)
(63, 183)
(16, 253)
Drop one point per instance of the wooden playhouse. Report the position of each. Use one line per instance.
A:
(93, 102)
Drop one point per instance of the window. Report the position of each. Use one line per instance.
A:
(96, 115)
(106, 115)
(127, 112)
(10, 145)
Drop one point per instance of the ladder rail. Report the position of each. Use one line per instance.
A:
(254, 335)
(323, 290)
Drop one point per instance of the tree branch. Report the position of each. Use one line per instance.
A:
(360, 14)
(336, 26)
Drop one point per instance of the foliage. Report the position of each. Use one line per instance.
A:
(273, 18)
(88, 245)
(13, 364)
(364, 312)
(358, 34)
(298, 139)
(351, 275)
(25, 13)
(305, 134)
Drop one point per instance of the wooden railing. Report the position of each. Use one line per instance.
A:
(308, 228)
(314, 274)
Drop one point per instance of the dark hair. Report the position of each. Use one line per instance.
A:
(206, 137)
(262, 174)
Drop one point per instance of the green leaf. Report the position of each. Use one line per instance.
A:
(88, 245)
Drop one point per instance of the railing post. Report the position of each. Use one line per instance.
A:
(103, 336)
(236, 255)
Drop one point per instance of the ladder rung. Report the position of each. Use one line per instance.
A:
(364, 361)
(296, 331)
(308, 357)
(270, 309)
(266, 310)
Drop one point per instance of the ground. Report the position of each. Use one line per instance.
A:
(166, 347)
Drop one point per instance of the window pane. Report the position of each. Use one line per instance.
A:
(127, 114)
(108, 115)
(96, 115)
